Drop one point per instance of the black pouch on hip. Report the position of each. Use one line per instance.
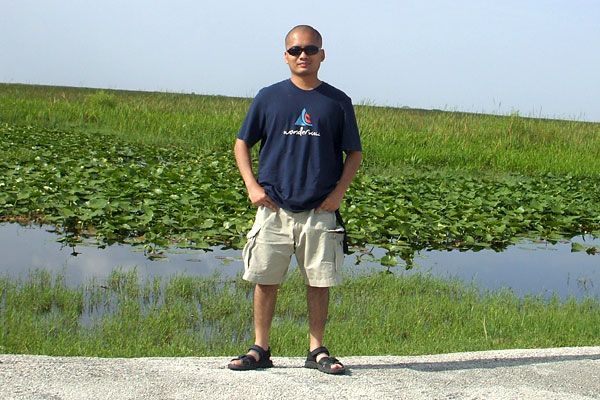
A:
(340, 221)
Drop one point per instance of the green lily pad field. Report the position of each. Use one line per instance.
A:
(90, 184)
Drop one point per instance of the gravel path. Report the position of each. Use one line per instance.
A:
(561, 373)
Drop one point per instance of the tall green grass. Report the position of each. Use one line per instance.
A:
(477, 142)
(378, 314)
(394, 139)
(155, 118)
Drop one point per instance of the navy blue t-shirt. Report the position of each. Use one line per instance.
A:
(302, 134)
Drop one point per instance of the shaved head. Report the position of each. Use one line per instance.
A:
(307, 29)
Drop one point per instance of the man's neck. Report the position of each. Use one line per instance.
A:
(305, 82)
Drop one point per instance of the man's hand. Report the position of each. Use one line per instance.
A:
(258, 197)
(332, 202)
(334, 199)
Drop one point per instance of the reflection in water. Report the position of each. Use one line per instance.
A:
(530, 268)
(26, 248)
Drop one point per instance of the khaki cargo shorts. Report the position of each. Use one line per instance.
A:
(312, 236)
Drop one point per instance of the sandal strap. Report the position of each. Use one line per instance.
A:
(262, 353)
(329, 361)
(246, 359)
(313, 354)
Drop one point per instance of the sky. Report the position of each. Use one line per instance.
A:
(540, 58)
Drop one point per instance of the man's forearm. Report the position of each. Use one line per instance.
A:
(351, 165)
(244, 163)
(334, 200)
(256, 193)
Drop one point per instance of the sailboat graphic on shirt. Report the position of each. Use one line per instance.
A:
(304, 119)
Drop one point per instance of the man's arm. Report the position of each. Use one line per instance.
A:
(351, 164)
(256, 193)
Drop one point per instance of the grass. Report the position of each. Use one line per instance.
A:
(393, 139)
(369, 315)
(475, 142)
(153, 118)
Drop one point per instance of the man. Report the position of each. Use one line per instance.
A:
(304, 126)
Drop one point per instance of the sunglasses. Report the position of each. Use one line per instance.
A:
(310, 50)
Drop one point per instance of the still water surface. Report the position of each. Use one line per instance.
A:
(529, 268)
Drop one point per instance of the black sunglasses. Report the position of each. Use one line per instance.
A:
(310, 50)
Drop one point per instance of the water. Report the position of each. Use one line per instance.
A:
(530, 268)
(527, 269)
(27, 248)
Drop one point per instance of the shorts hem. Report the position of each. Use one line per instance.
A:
(324, 282)
(261, 280)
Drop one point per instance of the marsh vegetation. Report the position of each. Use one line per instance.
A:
(156, 170)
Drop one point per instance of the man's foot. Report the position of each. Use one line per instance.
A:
(320, 359)
(257, 357)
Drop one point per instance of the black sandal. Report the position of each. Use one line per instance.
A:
(325, 363)
(250, 363)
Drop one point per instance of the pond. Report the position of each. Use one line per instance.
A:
(534, 268)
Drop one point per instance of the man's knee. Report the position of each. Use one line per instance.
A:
(266, 289)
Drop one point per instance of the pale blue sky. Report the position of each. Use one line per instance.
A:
(540, 58)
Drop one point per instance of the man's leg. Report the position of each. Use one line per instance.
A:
(265, 297)
(318, 306)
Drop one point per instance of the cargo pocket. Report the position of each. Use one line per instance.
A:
(250, 244)
(326, 266)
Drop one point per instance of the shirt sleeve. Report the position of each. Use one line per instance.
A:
(252, 129)
(350, 135)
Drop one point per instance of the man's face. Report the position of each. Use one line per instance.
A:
(303, 64)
